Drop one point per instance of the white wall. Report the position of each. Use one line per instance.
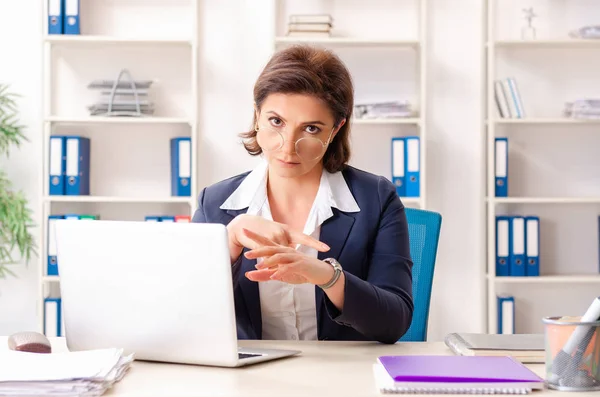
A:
(236, 40)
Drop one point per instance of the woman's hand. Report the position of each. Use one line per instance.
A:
(277, 233)
(283, 263)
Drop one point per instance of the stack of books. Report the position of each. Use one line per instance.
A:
(508, 99)
(583, 109)
(122, 97)
(383, 110)
(310, 25)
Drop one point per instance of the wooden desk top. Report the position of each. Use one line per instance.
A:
(325, 368)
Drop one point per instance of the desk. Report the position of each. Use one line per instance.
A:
(323, 369)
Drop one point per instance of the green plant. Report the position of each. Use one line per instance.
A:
(16, 241)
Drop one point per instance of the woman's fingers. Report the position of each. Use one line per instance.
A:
(260, 275)
(304, 239)
(262, 252)
(257, 238)
(276, 260)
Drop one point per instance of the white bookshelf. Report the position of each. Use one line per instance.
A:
(386, 55)
(553, 172)
(130, 157)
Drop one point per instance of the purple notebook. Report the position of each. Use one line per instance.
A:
(458, 369)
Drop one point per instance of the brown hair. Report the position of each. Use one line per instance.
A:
(303, 69)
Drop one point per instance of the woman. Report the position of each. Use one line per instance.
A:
(319, 249)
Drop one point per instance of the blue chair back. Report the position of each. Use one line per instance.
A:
(424, 232)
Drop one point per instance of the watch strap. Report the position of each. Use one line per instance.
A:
(336, 275)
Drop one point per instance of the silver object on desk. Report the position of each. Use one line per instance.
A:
(576, 364)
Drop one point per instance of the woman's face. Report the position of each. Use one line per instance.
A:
(294, 132)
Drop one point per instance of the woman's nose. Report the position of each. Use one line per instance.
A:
(289, 144)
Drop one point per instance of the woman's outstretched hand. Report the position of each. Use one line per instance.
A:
(276, 233)
(284, 263)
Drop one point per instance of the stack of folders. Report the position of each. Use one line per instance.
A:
(69, 165)
(63, 17)
(122, 98)
(310, 25)
(52, 265)
(434, 374)
(84, 373)
(587, 108)
(176, 218)
(506, 314)
(54, 323)
(525, 348)
(508, 99)
(517, 246)
(406, 166)
(384, 110)
(501, 167)
(181, 166)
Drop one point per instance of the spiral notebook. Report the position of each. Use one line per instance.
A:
(454, 374)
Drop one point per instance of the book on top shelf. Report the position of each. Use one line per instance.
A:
(310, 25)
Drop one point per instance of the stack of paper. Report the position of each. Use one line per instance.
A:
(383, 110)
(586, 32)
(583, 109)
(85, 373)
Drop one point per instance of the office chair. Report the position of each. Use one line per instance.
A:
(424, 232)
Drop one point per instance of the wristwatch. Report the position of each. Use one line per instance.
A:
(336, 275)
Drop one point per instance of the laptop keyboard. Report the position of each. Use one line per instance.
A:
(248, 355)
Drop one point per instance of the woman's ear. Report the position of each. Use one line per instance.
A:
(339, 127)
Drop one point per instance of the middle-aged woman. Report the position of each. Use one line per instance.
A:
(319, 249)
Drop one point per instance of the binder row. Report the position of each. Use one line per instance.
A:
(176, 218)
(54, 323)
(406, 166)
(52, 265)
(506, 314)
(508, 99)
(501, 167)
(517, 246)
(181, 166)
(63, 17)
(69, 166)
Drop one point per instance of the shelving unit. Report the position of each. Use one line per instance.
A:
(538, 143)
(395, 45)
(130, 156)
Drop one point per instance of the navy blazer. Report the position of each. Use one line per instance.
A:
(371, 245)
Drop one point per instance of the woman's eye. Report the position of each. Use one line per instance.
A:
(311, 129)
(276, 122)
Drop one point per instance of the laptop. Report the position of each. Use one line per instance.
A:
(162, 291)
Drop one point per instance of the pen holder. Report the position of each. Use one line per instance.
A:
(572, 354)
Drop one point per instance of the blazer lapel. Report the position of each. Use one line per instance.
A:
(249, 288)
(334, 232)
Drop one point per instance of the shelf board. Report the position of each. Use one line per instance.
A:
(411, 120)
(113, 199)
(550, 120)
(118, 120)
(348, 41)
(556, 43)
(91, 39)
(545, 200)
(570, 278)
